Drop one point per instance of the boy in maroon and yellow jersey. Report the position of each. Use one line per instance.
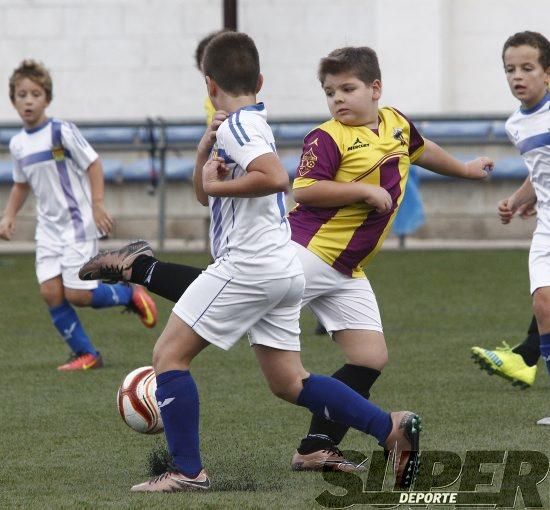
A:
(348, 188)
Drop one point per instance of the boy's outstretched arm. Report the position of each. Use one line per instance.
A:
(264, 175)
(103, 221)
(438, 160)
(18, 195)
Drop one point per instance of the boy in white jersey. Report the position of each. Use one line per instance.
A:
(52, 159)
(255, 284)
(526, 58)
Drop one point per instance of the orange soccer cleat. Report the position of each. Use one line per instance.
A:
(142, 304)
(87, 361)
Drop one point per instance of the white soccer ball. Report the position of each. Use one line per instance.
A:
(136, 401)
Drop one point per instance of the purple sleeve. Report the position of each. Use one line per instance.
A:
(415, 139)
(320, 157)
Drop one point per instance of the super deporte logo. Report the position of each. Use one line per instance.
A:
(484, 479)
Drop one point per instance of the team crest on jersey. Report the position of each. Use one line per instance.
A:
(358, 144)
(307, 162)
(58, 153)
(398, 135)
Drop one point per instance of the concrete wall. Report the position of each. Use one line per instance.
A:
(122, 59)
(127, 59)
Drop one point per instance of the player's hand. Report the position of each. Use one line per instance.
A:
(479, 168)
(7, 228)
(103, 221)
(379, 198)
(209, 137)
(214, 171)
(506, 210)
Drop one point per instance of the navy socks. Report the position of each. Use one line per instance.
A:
(106, 296)
(327, 397)
(178, 400)
(66, 321)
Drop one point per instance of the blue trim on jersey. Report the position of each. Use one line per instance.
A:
(234, 131)
(534, 142)
(217, 229)
(234, 117)
(39, 157)
(37, 128)
(241, 129)
(533, 109)
(74, 210)
(281, 203)
(223, 154)
(258, 107)
(78, 136)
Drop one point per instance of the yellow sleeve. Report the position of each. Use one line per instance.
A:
(209, 111)
(417, 153)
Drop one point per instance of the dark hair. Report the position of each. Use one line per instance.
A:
(533, 39)
(362, 62)
(34, 71)
(199, 51)
(232, 61)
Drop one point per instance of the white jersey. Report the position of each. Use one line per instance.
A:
(529, 131)
(252, 234)
(53, 159)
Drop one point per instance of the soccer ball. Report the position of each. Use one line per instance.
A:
(136, 401)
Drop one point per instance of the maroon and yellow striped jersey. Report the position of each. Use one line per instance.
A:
(349, 237)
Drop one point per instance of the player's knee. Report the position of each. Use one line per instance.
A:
(288, 389)
(46, 294)
(541, 304)
(283, 393)
(78, 297)
(382, 359)
(169, 357)
(373, 359)
(51, 296)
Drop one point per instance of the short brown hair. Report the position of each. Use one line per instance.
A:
(231, 59)
(34, 71)
(533, 39)
(199, 51)
(362, 62)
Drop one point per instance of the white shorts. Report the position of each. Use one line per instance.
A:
(52, 261)
(339, 301)
(221, 308)
(539, 262)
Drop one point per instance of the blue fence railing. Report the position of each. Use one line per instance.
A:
(168, 146)
(164, 151)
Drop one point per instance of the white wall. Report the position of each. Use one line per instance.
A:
(126, 59)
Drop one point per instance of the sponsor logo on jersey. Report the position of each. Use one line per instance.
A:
(358, 144)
